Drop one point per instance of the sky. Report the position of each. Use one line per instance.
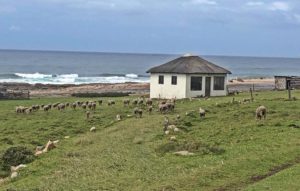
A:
(205, 27)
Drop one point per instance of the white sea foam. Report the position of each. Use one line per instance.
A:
(35, 78)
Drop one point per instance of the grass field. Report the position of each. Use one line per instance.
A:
(232, 150)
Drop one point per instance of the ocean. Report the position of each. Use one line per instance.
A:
(58, 67)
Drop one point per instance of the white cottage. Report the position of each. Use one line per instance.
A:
(186, 77)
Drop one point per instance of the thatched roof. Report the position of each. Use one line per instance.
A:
(189, 65)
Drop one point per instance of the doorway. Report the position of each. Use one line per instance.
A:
(207, 86)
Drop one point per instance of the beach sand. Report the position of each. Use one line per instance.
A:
(42, 90)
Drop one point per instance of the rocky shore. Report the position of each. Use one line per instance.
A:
(49, 90)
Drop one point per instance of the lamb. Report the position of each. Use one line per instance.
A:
(201, 112)
(261, 112)
(138, 112)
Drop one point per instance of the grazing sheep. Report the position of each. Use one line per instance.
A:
(42, 106)
(100, 102)
(178, 117)
(135, 102)
(201, 112)
(55, 105)
(46, 108)
(83, 106)
(67, 104)
(138, 112)
(150, 108)
(94, 105)
(90, 105)
(74, 105)
(28, 111)
(88, 114)
(261, 112)
(140, 101)
(79, 103)
(149, 102)
(61, 106)
(173, 138)
(163, 108)
(126, 102)
(111, 102)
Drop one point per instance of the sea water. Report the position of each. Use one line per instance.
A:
(58, 67)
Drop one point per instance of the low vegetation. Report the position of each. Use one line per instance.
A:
(229, 148)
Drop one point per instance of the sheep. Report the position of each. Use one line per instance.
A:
(93, 129)
(28, 110)
(79, 103)
(67, 104)
(19, 109)
(126, 102)
(150, 108)
(74, 105)
(111, 102)
(94, 105)
(100, 102)
(119, 117)
(83, 106)
(138, 112)
(135, 102)
(42, 106)
(163, 108)
(166, 123)
(90, 105)
(46, 108)
(178, 117)
(149, 102)
(202, 113)
(140, 101)
(261, 112)
(55, 105)
(61, 106)
(88, 114)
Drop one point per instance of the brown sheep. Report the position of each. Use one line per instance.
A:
(261, 112)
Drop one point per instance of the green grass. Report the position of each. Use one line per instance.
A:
(230, 146)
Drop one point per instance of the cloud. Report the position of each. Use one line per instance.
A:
(279, 6)
(255, 3)
(204, 2)
(14, 28)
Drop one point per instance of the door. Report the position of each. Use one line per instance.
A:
(207, 86)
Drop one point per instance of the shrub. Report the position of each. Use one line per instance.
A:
(14, 156)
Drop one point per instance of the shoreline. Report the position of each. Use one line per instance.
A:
(66, 90)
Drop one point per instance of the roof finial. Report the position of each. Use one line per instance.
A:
(187, 55)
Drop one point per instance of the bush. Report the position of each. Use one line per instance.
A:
(14, 156)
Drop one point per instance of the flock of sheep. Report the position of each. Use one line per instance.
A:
(140, 104)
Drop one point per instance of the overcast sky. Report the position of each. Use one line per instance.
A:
(205, 27)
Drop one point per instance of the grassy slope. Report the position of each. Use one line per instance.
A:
(110, 159)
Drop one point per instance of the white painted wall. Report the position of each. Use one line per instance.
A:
(183, 87)
(167, 90)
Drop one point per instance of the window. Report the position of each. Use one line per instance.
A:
(196, 83)
(219, 83)
(161, 79)
(174, 80)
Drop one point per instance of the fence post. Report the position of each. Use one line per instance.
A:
(290, 93)
(251, 93)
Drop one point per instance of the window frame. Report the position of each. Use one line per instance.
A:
(173, 80)
(218, 86)
(161, 79)
(200, 80)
